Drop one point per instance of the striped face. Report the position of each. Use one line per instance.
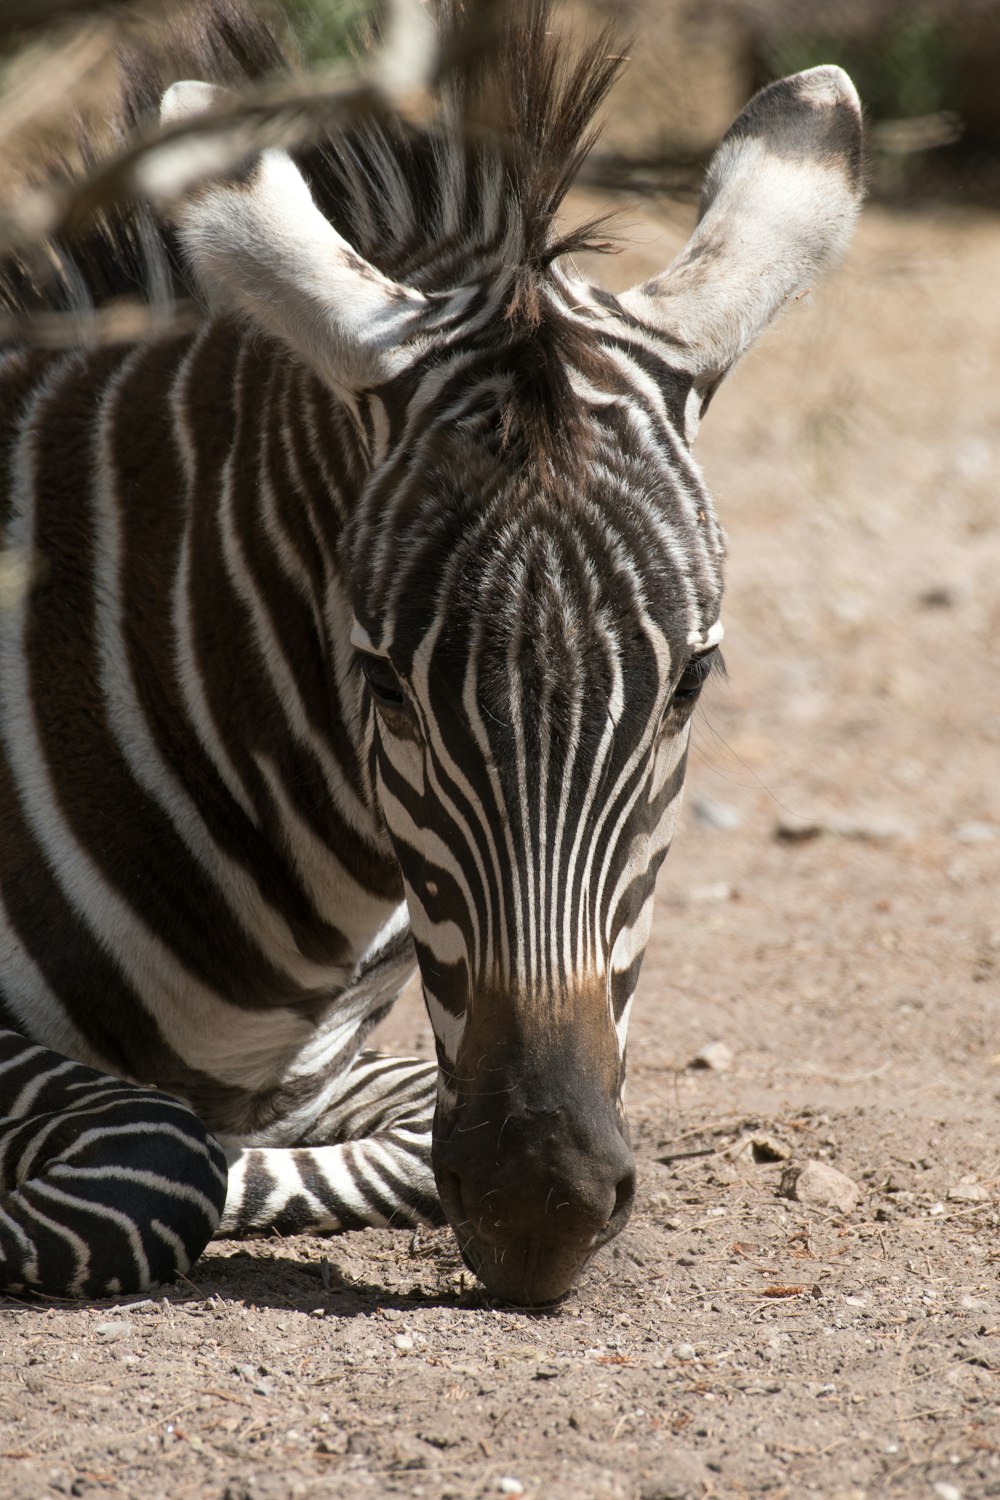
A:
(532, 657)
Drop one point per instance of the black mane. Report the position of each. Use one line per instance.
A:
(514, 125)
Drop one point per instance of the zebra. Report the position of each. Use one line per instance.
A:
(359, 630)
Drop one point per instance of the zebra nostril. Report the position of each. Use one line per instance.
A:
(624, 1195)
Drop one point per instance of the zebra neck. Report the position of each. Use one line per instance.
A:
(177, 700)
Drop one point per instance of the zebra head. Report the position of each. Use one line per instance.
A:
(535, 572)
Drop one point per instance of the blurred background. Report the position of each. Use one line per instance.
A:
(927, 72)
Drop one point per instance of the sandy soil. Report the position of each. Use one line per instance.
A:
(830, 913)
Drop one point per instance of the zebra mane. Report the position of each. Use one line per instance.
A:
(473, 193)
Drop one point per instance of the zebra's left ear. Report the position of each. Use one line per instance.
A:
(777, 208)
(259, 246)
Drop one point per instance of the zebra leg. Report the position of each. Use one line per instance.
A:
(365, 1161)
(105, 1187)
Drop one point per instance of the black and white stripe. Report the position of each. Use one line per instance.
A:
(104, 1187)
(365, 624)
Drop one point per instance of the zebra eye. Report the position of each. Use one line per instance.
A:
(383, 682)
(694, 676)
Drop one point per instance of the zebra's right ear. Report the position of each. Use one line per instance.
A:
(259, 246)
(777, 209)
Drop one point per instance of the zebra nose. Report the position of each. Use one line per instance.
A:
(530, 1213)
(530, 1258)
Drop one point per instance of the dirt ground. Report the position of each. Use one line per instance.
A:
(829, 913)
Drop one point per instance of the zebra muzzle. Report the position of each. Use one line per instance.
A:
(532, 1194)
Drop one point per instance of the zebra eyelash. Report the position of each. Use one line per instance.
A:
(696, 673)
(383, 683)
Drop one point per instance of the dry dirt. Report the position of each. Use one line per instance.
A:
(733, 1342)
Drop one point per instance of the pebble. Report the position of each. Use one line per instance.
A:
(767, 1148)
(685, 1351)
(968, 1192)
(715, 814)
(712, 894)
(508, 1485)
(975, 832)
(404, 1342)
(681, 1478)
(815, 1183)
(874, 828)
(946, 1491)
(939, 596)
(119, 1329)
(714, 1055)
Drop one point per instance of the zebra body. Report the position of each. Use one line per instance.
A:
(362, 625)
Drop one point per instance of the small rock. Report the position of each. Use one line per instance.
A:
(404, 1342)
(871, 828)
(715, 814)
(712, 894)
(897, 1182)
(946, 1491)
(768, 1148)
(876, 828)
(508, 1485)
(968, 1192)
(119, 1329)
(334, 1443)
(263, 1387)
(975, 831)
(814, 1183)
(793, 830)
(331, 1275)
(437, 1438)
(714, 1055)
(940, 596)
(682, 1477)
(408, 1456)
(685, 1351)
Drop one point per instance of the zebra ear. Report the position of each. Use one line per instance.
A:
(777, 208)
(259, 246)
